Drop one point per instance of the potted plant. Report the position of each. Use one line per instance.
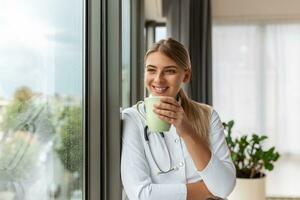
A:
(251, 161)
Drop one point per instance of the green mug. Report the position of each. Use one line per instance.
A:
(155, 124)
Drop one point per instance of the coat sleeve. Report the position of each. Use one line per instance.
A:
(135, 170)
(219, 175)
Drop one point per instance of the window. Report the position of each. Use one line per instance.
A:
(257, 66)
(126, 53)
(256, 83)
(154, 31)
(160, 32)
(41, 100)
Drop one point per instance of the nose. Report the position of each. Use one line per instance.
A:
(159, 77)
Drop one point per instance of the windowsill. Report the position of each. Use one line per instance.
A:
(283, 181)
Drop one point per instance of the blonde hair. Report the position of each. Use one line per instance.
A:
(198, 113)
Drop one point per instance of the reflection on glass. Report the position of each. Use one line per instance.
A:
(41, 138)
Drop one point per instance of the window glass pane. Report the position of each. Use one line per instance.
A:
(160, 33)
(41, 101)
(126, 58)
(236, 68)
(126, 53)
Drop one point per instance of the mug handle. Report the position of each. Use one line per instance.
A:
(138, 109)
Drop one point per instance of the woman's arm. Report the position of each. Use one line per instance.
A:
(213, 163)
(195, 145)
(198, 190)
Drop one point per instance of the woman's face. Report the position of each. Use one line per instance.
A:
(163, 76)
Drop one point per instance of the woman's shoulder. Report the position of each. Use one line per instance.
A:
(132, 124)
(134, 112)
(129, 110)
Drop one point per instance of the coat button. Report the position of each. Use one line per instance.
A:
(181, 164)
(176, 140)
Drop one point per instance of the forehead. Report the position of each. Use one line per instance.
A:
(159, 59)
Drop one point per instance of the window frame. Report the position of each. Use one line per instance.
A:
(93, 106)
(103, 100)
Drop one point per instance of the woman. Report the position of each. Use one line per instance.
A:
(191, 161)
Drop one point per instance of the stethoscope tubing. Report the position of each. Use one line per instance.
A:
(153, 157)
(146, 137)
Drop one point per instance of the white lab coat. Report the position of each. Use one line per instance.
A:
(139, 171)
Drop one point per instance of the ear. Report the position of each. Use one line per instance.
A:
(187, 76)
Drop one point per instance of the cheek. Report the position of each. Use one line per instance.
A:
(149, 77)
(147, 80)
(177, 81)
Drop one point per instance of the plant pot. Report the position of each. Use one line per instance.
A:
(249, 189)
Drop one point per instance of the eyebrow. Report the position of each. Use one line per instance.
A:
(165, 67)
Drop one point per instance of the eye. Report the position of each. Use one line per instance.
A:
(150, 70)
(170, 71)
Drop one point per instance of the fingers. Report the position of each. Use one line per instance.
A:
(166, 118)
(166, 106)
(167, 109)
(165, 113)
(169, 100)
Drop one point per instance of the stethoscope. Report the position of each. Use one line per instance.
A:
(170, 168)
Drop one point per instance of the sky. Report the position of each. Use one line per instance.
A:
(41, 46)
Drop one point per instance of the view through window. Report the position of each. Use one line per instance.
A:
(41, 100)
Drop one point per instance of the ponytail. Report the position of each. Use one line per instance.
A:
(199, 115)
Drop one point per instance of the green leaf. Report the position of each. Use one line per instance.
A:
(234, 156)
(247, 152)
(231, 123)
(269, 166)
(276, 156)
(263, 137)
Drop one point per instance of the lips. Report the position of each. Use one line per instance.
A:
(159, 89)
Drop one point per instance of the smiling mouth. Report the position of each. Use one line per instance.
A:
(159, 90)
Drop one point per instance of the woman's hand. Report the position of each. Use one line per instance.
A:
(198, 191)
(171, 111)
(168, 109)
